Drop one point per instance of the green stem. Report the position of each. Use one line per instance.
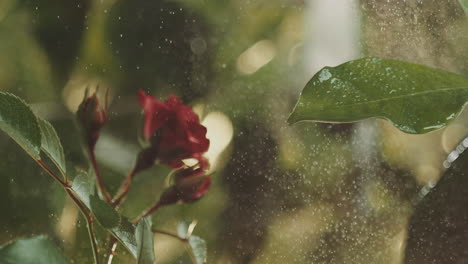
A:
(94, 246)
(148, 212)
(89, 224)
(123, 190)
(86, 215)
(100, 182)
(51, 173)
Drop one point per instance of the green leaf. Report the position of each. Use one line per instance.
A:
(196, 245)
(464, 4)
(182, 229)
(83, 186)
(20, 123)
(125, 233)
(35, 250)
(145, 246)
(104, 213)
(199, 250)
(50, 144)
(415, 98)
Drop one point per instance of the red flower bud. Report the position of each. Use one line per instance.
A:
(173, 130)
(91, 117)
(190, 185)
(145, 160)
(193, 189)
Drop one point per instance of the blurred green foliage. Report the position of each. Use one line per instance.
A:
(310, 193)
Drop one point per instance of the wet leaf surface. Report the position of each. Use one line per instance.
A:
(415, 98)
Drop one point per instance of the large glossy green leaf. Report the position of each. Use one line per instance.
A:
(20, 123)
(145, 246)
(35, 250)
(415, 98)
(50, 144)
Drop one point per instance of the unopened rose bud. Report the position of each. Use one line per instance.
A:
(190, 185)
(145, 159)
(192, 189)
(91, 117)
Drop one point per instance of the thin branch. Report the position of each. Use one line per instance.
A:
(148, 212)
(64, 174)
(51, 173)
(89, 222)
(111, 250)
(100, 183)
(84, 211)
(123, 190)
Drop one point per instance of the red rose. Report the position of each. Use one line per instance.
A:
(173, 130)
(174, 133)
(91, 117)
